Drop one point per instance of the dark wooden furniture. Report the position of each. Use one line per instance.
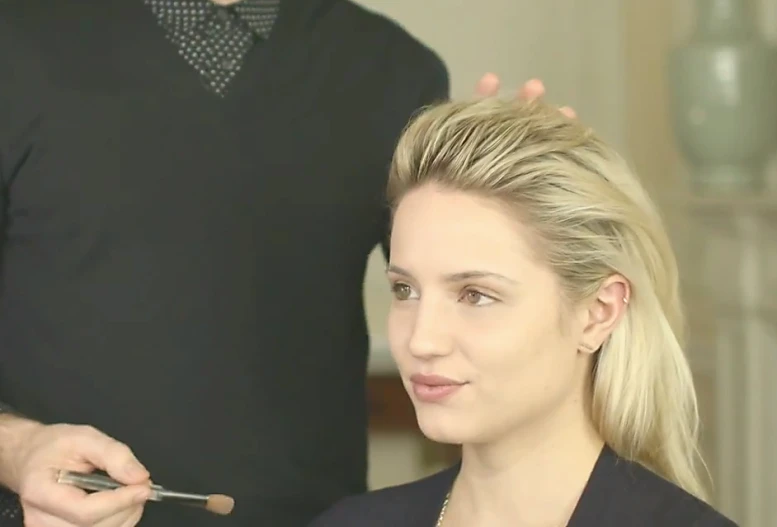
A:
(390, 410)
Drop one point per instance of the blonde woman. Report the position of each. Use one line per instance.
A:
(536, 322)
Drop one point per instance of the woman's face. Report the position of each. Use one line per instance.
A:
(476, 325)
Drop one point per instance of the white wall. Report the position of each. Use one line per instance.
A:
(744, 395)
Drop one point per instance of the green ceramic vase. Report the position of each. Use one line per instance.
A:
(723, 85)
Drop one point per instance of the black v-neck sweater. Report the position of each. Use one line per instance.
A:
(184, 272)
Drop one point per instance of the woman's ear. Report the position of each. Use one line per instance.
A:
(604, 312)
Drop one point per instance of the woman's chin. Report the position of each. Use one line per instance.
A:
(442, 432)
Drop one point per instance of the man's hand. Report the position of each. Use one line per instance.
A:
(32, 455)
(488, 86)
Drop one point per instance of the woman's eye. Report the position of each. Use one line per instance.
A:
(476, 298)
(402, 291)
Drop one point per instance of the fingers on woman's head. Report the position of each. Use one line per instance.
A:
(488, 85)
(569, 112)
(531, 90)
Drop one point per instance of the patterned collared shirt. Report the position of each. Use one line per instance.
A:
(215, 39)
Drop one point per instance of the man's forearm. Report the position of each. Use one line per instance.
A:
(13, 431)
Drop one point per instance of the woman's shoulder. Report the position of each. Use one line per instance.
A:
(409, 504)
(636, 494)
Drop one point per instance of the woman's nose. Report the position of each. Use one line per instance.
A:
(431, 334)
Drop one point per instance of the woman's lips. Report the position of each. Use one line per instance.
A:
(434, 388)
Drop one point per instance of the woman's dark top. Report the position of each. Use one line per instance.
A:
(619, 493)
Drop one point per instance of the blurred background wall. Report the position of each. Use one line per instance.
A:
(608, 59)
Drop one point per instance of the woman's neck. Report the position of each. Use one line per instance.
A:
(526, 479)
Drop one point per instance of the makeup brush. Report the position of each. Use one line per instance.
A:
(215, 503)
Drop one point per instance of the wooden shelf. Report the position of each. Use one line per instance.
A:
(390, 410)
(389, 406)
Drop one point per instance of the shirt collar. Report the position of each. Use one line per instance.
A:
(258, 15)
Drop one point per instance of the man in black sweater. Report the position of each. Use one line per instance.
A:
(191, 192)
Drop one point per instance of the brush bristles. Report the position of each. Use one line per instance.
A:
(220, 504)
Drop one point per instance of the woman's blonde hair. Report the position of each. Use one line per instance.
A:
(592, 219)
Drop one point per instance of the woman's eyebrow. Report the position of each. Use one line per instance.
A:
(456, 277)
(470, 275)
(391, 268)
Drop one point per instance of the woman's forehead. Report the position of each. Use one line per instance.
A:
(462, 229)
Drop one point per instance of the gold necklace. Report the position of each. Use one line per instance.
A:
(441, 517)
